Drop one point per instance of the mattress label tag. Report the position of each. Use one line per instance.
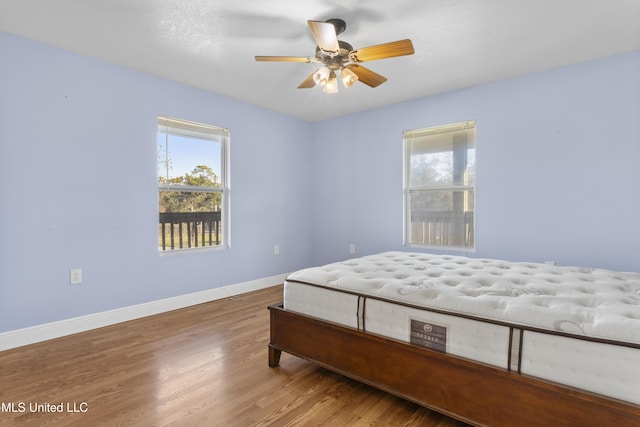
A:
(428, 335)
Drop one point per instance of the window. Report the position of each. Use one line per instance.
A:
(440, 186)
(192, 185)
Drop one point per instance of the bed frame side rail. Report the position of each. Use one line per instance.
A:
(469, 391)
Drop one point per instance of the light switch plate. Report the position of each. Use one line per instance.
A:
(75, 276)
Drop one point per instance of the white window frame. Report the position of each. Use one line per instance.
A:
(196, 130)
(426, 240)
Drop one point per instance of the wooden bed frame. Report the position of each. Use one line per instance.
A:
(472, 392)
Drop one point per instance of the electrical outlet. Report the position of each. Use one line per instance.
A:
(75, 276)
(276, 249)
(352, 248)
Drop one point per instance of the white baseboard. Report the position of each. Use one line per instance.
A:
(47, 331)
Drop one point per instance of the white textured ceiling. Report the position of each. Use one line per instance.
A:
(211, 44)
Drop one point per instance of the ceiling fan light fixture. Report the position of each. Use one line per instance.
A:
(348, 77)
(332, 84)
(338, 58)
(321, 76)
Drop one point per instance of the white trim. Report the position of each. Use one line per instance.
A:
(47, 331)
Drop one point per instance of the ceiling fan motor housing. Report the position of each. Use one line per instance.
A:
(337, 61)
(339, 24)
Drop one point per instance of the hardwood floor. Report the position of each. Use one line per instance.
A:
(200, 366)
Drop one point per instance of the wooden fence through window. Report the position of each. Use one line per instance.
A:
(179, 230)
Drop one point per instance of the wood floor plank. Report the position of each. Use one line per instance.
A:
(202, 365)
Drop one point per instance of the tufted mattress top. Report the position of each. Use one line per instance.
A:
(598, 303)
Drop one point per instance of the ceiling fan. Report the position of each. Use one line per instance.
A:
(338, 58)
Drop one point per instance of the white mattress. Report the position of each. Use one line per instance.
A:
(388, 293)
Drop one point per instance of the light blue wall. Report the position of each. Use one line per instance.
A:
(558, 179)
(78, 187)
(558, 168)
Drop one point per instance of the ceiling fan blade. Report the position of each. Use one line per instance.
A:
(366, 76)
(283, 58)
(325, 35)
(308, 83)
(381, 51)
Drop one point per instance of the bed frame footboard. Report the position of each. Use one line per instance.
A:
(472, 392)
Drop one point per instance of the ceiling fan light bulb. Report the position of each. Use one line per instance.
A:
(321, 76)
(349, 78)
(332, 84)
